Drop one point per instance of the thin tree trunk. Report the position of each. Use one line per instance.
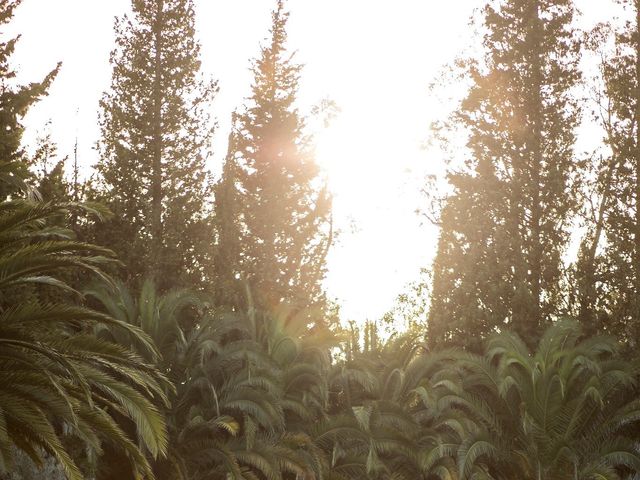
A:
(535, 259)
(588, 277)
(76, 187)
(156, 180)
(636, 153)
(587, 298)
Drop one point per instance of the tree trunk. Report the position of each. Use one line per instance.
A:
(156, 180)
(588, 294)
(636, 256)
(535, 124)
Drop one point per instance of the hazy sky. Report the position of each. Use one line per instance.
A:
(375, 58)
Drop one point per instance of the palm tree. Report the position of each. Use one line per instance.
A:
(160, 317)
(563, 412)
(268, 382)
(394, 386)
(299, 344)
(56, 378)
(225, 411)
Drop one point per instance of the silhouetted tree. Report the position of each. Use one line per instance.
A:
(272, 205)
(15, 100)
(155, 134)
(505, 226)
(610, 295)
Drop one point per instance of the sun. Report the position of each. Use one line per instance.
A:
(374, 170)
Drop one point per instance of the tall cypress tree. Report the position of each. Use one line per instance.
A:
(155, 134)
(15, 100)
(272, 206)
(505, 227)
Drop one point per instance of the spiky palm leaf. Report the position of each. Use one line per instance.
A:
(554, 414)
(55, 378)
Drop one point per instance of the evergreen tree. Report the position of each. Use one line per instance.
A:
(155, 132)
(227, 227)
(14, 100)
(610, 296)
(273, 209)
(504, 228)
(49, 169)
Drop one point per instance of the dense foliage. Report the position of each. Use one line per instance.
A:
(610, 276)
(56, 376)
(505, 227)
(274, 223)
(155, 134)
(213, 356)
(15, 99)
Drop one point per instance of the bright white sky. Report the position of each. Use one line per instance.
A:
(375, 58)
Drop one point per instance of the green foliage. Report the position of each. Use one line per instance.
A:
(609, 267)
(15, 100)
(561, 412)
(55, 377)
(48, 170)
(411, 307)
(249, 387)
(569, 410)
(155, 134)
(172, 352)
(146, 379)
(505, 227)
(273, 211)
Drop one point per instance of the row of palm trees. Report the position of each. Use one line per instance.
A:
(115, 384)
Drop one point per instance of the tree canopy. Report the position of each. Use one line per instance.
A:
(156, 323)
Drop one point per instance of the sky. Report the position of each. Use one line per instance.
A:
(374, 58)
